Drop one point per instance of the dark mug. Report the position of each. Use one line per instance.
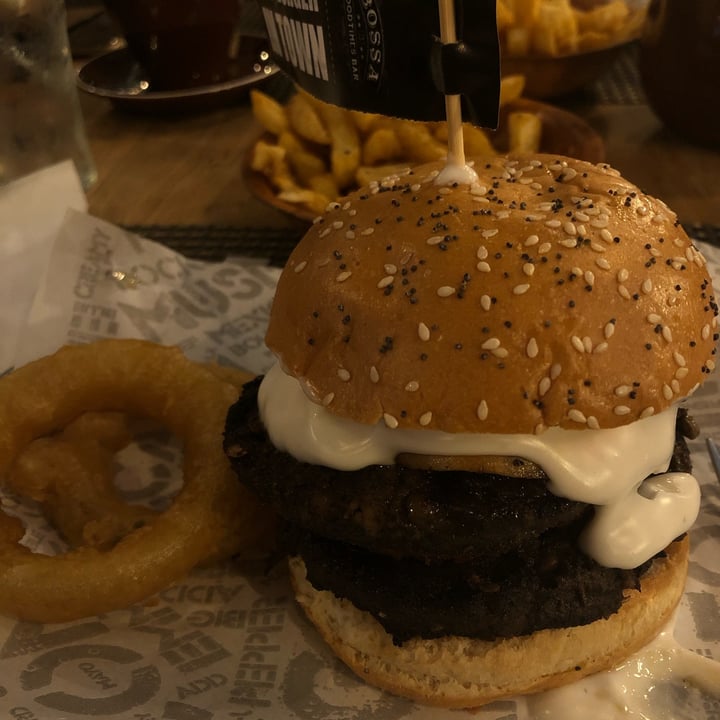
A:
(680, 66)
(182, 43)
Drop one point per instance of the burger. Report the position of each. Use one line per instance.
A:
(473, 431)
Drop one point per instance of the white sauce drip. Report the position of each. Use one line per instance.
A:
(456, 172)
(609, 467)
(671, 501)
(663, 681)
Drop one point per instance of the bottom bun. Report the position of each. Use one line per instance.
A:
(460, 672)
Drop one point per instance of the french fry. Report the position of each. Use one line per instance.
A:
(366, 122)
(634, 24)
(526, 12)
(555, 31)
(304, 163)
(476, 141)
(559, 27)
(504, 14)
(305, 120)
(381, 146)
(269, 112)
(609, 18)
(344, 143)
(516, 36)
(511, 88)
(378, 173)
(290, 141)
(440, 131)
(593, 40)
(325, 184)
(517, 41)
(417, 141)
(524, 132)
(315, 201)
(270, 161)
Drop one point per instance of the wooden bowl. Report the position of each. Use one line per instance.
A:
(551, 77)
(563, 132)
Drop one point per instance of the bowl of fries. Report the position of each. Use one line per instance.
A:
(562, 45)
(308, 153)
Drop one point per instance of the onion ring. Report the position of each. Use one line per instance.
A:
(142, 379)
(72, 476)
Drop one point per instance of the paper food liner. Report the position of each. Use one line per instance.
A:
(227, 641)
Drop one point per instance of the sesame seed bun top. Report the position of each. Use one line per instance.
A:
(551, 293)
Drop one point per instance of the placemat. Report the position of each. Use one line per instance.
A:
(211, 242)
(214, 242)
(706, 233)
(621, 84)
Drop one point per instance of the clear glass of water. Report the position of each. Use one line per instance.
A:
(41, 122)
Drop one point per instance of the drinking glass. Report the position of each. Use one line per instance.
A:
(41, 122)
(182, 44)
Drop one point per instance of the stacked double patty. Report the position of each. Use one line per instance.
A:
(436, 553)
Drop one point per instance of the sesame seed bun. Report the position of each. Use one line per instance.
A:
(551, 293)
(457, 672)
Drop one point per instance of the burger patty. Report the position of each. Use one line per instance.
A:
(389, 508)
(556, 587)
(399, 511)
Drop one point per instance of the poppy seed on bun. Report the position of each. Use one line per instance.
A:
(552, 292)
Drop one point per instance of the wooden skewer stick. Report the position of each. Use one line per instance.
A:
(455, 167)
(453, 110)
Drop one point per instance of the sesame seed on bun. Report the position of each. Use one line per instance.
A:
(552, 292)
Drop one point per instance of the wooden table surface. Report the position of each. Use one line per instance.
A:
(187, 170)
(184, 170)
